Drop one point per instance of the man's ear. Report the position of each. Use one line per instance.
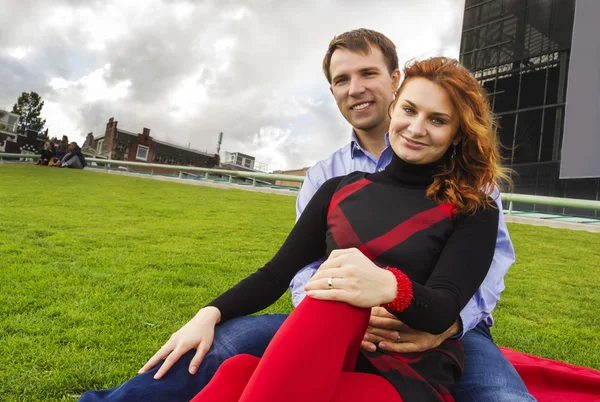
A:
(395, 79)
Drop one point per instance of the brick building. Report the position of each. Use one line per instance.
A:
(297, 172)
(119, 144)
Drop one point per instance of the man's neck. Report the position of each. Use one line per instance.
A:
(372, 141)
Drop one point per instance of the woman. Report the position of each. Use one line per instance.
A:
(62, 147)
(73, 158)
(427, 219)
(48, 154)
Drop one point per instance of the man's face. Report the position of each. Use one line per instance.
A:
(363, 88)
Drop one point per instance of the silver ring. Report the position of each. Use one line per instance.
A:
(330, 282)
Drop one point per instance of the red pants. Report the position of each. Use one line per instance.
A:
(311, 358)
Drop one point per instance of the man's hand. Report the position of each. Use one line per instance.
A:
(197, 334)
(393, 335)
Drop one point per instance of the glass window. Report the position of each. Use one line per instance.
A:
(527, 137)
(510, 6)
(470, 18)
(548, 134)
(563, 16)
(505, 132)
(99, 149)
(532, 88)
(506, 93)
(142, 153)
(552, 90)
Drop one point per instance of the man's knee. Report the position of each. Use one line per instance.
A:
(245, 335)
(488, 375)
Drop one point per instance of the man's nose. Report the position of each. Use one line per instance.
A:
(356, 87)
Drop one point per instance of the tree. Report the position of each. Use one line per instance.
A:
(29, 106)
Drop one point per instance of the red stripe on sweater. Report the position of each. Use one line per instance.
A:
(406, 229)
(344, 192)
(343, 233)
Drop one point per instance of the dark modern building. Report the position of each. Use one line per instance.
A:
(539, 60)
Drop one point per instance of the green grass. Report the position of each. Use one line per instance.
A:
(98, 270)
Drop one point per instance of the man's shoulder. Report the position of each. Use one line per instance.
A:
(335, 165)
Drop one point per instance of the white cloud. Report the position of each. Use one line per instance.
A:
(19, 52)
(189, 70)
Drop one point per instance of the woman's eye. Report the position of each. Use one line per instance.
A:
(408, 110)
(438, 121)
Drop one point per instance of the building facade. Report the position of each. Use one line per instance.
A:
(119, 144)
(12, 142)
(242, 162)
(296, 172)
(520, 51)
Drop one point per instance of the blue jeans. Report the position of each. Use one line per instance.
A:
(488, 375)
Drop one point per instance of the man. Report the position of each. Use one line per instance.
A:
(362, 68)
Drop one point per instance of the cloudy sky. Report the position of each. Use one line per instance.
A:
(191, 69)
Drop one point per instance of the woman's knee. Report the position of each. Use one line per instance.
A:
(239, 365)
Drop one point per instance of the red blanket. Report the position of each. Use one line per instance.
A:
(551, 380)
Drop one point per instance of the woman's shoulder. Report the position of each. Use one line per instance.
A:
(488, 211)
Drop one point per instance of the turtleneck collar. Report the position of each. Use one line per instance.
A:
(411, 174)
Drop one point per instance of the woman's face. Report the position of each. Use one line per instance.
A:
(424, 122)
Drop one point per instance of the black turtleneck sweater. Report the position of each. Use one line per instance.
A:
(388, 217)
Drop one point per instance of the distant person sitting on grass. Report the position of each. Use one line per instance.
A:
(73, 159)
(62, 147)
(48, 154)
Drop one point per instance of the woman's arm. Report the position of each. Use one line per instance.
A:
(304, 244)
(432, 307)
(460, 270)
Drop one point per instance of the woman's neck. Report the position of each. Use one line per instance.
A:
(411, 174)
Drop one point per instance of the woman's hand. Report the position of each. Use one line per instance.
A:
(197, 334)
(356, 280)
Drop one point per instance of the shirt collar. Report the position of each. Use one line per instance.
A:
(355, 146)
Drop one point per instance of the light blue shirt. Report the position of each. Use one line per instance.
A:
(353, 158)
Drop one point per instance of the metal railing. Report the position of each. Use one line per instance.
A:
(181, 169)
(511, 198)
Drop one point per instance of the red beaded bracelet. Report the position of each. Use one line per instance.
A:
(405, 293)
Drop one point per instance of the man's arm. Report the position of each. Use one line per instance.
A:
(309, 188)
(383, 327)
(484, 301)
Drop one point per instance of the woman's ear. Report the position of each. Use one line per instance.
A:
(457, 139)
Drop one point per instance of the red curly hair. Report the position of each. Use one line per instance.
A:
(467, 180)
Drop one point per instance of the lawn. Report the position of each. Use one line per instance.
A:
(98, 270)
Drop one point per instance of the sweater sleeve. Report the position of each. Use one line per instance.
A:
(305, 244)
(460, 270)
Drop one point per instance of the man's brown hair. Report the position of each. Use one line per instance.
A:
(359, 41)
